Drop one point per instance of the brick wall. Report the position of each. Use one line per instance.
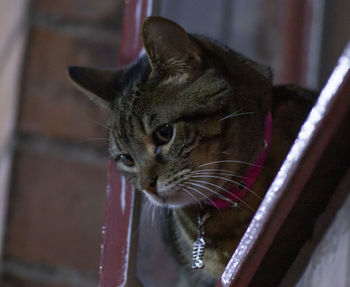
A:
(12, 39)
(57, 191)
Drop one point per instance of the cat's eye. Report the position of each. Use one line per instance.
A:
(163, 134)
(126, 159)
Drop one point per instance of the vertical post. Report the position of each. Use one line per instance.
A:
(296, 23)
(119, 243)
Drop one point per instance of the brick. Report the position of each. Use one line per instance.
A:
(86, 10)
(12, 281)
(50, 105)
(56, 211)
(11, 15)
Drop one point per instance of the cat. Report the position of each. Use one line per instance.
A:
(189, 121)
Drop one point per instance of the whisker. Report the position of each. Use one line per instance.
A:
(214, 192)
(97, 123)
(94, 139)
(228, 151)
(218, 173)
(235, 114)
(150, 209)
(147, 211)
(144, 210)
(230, 180)
(190, 194)
(227, 161)
(206, 197)
(153, 213)
(219, 187)
(213, 169)
(221, 196)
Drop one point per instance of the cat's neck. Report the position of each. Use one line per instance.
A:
(235, 195)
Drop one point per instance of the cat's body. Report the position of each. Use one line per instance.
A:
(187, 117)
(227, 226)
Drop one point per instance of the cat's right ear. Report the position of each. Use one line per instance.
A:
(169, 48)
(100, 85)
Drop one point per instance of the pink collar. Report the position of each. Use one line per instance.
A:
(237, 193)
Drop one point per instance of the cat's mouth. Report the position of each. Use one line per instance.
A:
(175, 198)
(193, 188)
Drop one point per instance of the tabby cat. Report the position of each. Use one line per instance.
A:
(188, 121)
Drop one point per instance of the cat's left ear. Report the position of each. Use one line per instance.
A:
(169, 48)
(100, 85)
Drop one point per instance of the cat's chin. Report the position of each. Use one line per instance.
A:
(174, 200)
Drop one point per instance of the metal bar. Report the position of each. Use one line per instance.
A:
(321, 124)
(295, 34)
(135, 12)
(119, 247)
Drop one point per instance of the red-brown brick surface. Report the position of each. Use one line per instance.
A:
(91, 10)
(56, 213)
(57, 195)
(21, 282)
(50, 105)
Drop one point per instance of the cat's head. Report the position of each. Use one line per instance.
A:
(180, 113)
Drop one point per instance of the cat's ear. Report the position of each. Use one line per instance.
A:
(169, 48)
(100, 85)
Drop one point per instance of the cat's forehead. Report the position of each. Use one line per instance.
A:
(147, 100)
(142, 113)
(153, 103)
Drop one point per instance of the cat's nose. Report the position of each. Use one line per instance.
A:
(149, 184)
